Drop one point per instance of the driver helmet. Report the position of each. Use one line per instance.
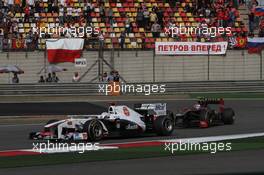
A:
(197, 106)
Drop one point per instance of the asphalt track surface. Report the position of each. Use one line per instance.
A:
(249, 119)
(222, 163)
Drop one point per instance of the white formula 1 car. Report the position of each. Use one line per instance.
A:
(118, 121)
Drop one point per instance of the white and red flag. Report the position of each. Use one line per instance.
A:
(64, 50)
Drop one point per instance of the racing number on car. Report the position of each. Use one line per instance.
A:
(126, 111)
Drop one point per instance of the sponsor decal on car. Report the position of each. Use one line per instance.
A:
(131, 127)
(160, 106)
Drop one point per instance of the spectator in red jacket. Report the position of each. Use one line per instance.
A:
(27, 13)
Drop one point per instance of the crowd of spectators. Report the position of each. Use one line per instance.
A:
(52, 78)
(256, 23)
(112, 77)
(218, 13)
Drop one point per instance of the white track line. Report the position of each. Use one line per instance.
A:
(215, 138)
(190, 140)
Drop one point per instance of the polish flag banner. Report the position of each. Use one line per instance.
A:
(64, 50)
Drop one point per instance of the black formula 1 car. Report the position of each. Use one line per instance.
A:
(117, 121)
(205, 113)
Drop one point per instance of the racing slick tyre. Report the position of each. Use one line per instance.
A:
(51, 121)
(206, 119)
(164, 126)
(228, 116)
(170, 114)
(186, 123)
(94, 130)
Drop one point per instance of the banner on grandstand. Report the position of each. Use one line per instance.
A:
(18, 43)
(190, 48)
(259, 11)
(255, 45)
(64, 50)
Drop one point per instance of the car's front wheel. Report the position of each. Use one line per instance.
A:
(94, 130)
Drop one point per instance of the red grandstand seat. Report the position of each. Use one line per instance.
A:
(238, 30)
(121, 9)
(115, 40)
(182, 14)
(244, 29)
(131, 5)
(135, 30)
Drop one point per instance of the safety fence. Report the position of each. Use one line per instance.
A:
(95, 89)
(140, 66)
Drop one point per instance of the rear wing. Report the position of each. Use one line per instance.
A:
(206, 101)
(159, 108)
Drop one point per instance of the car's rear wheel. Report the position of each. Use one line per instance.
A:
(186, 123)
(164, 126)
(228, 116)
(94, 130)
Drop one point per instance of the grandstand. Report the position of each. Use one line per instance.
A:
(130, 22)
(114, 17)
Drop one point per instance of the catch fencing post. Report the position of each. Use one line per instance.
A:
(261, 66)
(154, 65)
(45, 61)
(208, 63)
